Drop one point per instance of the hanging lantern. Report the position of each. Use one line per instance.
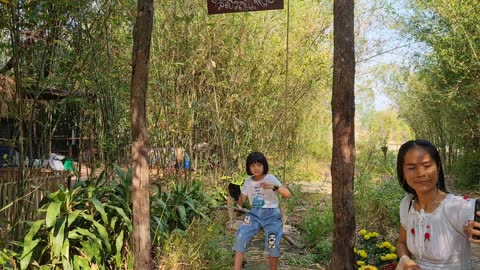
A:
(229, 6)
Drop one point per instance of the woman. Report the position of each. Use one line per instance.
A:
(436, 227)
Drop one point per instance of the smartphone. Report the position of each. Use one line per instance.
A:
(476, 217)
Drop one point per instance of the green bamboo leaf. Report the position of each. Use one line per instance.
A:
(52, 213)
(101, 231)
(27, 253)
(118, 247)
(98, 205)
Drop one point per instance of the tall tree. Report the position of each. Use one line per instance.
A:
(343, 153)
(142, 35)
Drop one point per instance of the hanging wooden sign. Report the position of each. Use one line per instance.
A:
(229, 6)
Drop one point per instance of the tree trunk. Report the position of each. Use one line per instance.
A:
(343, 153)
(140, 192)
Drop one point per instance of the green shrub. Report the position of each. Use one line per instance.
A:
(86, 227)
(177, 208)
(377, 201)
(467, 171)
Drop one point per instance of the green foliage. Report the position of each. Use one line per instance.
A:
(439, 97)
(85, 227)
(203, 245)
(91, 226)
(323, 251)
(175, 210)
(467, 171)
(377, 192)
(317, 225)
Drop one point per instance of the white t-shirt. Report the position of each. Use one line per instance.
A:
(259, 197)
(437, 240)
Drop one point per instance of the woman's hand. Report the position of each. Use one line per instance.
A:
(411, 265)
(473, 228)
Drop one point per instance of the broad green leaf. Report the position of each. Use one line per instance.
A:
(27, 253)
(66, 264)
(80, 231)
(101, 231)
(72, 217)
(80, 263)
(118, 247)
(124, 216)
(33, 230)
(98, 205)
(183, 214)
(52, 212)
(58, 237)
(66, 249)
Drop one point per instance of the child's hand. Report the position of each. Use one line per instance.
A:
(267, 185)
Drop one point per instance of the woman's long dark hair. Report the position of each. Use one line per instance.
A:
(430, 149)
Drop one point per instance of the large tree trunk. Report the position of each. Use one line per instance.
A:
(343, 154)
(140, 142)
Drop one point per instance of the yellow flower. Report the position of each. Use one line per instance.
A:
(362, 253)
(366, 237)
(392, 256)
(387, 244)
(374, 234)
(383, 258)
(368, 267)
(393, 249)
(362, 232)
(360, 263)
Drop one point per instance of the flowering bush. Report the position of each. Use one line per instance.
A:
(373, 254)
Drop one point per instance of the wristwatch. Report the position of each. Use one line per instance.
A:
(275, 187)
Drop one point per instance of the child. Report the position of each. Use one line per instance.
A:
(436, 226)
(261, 189)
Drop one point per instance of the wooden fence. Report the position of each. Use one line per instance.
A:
(21, 202)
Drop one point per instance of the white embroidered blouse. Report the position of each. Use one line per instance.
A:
(437, 240)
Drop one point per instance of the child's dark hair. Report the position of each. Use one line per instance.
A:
(256, 157)
(432, 151)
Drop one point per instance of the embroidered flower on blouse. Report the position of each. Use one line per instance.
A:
(413, 230)
(428, 226)
(466, 198)
(427, 236)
